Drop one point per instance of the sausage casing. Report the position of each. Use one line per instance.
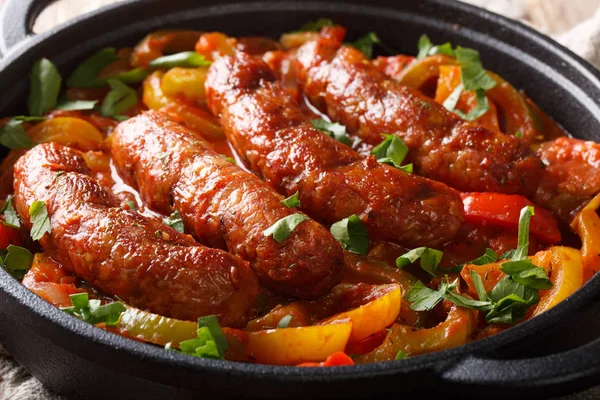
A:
(223, 205)
(268, 129)
(121, 252)
(341, 82)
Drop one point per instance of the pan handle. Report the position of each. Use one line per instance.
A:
(16, 21)
(576, 369)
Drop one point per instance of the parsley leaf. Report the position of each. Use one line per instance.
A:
(44, 87)
(474, 76)
(85, 75)
(365, 44)
(77, 105)
(430, 259)
(352, 234)
(11, 218)
(490, 256)
(16, 260)
(211, 341)
(174, 221)
(281, 229)
(291, 201)
(92, 312)
(423, 298)
(527, 274)
(13, 135)
(38, 215)
(118, 100)
(285, 321)
(316, 25)
(400, 355)
(523, 234)
(426, 48)
(186, 59)
(511, 301)
(332, 129)
(478, 284)
(131, 204)
(130, 77)
(392, 151)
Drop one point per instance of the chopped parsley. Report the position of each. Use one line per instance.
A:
(44, 87)
(186, 59)
(351, 234)
(210, 341)
(285, 321)
(11, 218)
(16, 260)
(392, 151)
(281, 229)
(174, 221)
(92, 311)
(118, 100)
(332, 129)
(292, 201)
(13, 135)
(429, 259)
(316, 25)
(38, 215)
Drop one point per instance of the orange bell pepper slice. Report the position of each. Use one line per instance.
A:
(162, 42)
(450, 78)
(587, 225)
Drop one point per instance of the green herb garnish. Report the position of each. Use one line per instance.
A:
(85, 75)
(426, 48)
(92, 311)
(316, 25)
(174, 221)
(285, 321)
(400, 355)
(16, 260)
(118, 100)
(76, 105)
(11, 218)
(13, 135)
(186, 59)
(292, 201)
(392, 151)
(281, 229)
(429, 259)
(352, 234)
(38, 215)
(44, 87)
(332, 129)
(210, 342)
(365, 44)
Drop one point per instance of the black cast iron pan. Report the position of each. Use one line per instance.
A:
(74, 358)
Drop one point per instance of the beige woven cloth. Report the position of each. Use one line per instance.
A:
(549, 16)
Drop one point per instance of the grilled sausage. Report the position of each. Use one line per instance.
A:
(146, 263)
(223, 205)
(267, 128)
(341, 82)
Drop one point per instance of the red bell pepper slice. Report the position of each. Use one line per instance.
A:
(503, 210)
(336, 359)
(9, 236)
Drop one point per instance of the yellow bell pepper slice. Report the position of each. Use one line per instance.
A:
(152, 93)
(454, 331)
(186, 82)
(155, 328)
(566, 275)
(68, 131)
(372, 317)
(291, 346)
(420, 72)
(587, 225)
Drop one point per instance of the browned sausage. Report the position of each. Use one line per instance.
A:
(146, 263)
(572, 175)
(268, 129)
(341, 82)
(223, 205)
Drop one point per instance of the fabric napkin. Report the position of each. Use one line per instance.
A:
(584, 39)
